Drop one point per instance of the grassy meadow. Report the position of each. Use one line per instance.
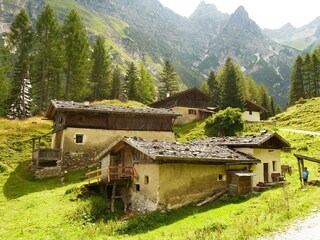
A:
(51, 209)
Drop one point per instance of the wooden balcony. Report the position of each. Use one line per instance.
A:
(46, 155)
(111, 173)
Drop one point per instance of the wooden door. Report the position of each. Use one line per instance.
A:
(266, 172)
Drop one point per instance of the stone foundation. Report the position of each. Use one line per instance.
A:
(77, 160)
(48, 172)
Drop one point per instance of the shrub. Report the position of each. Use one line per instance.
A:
(227, 122)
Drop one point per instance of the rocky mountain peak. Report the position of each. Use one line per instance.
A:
(241, 13)
(207, 10)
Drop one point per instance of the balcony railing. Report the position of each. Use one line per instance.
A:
(110, 173)
(46, 154)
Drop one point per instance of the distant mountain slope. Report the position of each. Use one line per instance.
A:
(299, 38)
(145, 30)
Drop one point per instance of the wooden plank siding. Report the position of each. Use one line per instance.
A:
(114, 121)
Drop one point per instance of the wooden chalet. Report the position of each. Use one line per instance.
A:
(191, 104)
(82, 130)
(168, 174)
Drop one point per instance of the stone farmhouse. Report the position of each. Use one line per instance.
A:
(252, 111)
(150, 175)
(82, 130)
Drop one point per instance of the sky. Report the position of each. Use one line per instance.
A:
(271, 14)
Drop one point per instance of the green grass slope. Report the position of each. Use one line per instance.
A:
(304, 115)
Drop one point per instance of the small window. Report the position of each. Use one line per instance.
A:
(79, 138)
(274, 166)
(146, 180)
(250, 112)
(221, 177)
(192, 112)
(138, 187)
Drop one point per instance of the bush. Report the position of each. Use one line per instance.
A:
(227, 122)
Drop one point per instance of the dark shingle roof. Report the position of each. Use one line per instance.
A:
(88, 107)
(254, 140)
(188, 151)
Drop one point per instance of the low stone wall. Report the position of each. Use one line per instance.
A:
(48, 172)
(77, 160)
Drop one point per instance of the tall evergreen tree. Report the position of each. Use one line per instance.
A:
(297, 89)
(307, 75)
(231, 93)
(146, 86)
(253, 93)
(47, 56)
(264, 101)
(19, 39)
(77, 55)
(100, 73)
(6, 66)
(131, 82)
(213, 88)
(168, 81)
(116, 83)
(315, 62)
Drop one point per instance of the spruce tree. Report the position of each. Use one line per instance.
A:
(253, 93)
(47, 57)
(168, 81)
(315, 62)
(213, 88)
(297, 89)
(77, 55)
(5, 88)
(116, 83)
(100, 73)
(131, 82)
(19, 39)
(146, 86)
(264, 101)
(307, 75)
(231, 93)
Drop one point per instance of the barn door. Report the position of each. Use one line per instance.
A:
(266, 172)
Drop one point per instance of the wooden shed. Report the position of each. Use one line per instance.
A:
(240, 182)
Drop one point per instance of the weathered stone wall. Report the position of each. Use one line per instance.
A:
(48, 172)
(72, 161)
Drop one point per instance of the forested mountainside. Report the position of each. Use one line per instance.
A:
(145, 30)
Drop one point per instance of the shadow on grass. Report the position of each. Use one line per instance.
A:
(150, 221)
(21, 182)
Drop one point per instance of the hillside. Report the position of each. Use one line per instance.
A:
(50, 209)
(304, 115)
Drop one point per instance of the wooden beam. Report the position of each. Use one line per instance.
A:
(300, 173)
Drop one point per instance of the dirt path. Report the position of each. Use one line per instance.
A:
(300, 131)
(306, 229)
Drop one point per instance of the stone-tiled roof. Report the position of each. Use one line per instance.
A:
(89, 107)
(189, 151)
(254, 140)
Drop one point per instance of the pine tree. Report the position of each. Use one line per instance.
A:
(272, 108)
(315, 62)
(46, 58)
(213, 88)
(253, 93)
(278, 110)
(307, 75)
(77, 55)
(264, 101)
(100, 73)
(297, 89)
(5, 69)
(19, 39)
(231, 93)
(131, 82)
(168, 82)
(146, 86)
(116, 83)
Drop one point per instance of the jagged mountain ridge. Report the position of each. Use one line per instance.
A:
(152, 32)
(301, 38)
